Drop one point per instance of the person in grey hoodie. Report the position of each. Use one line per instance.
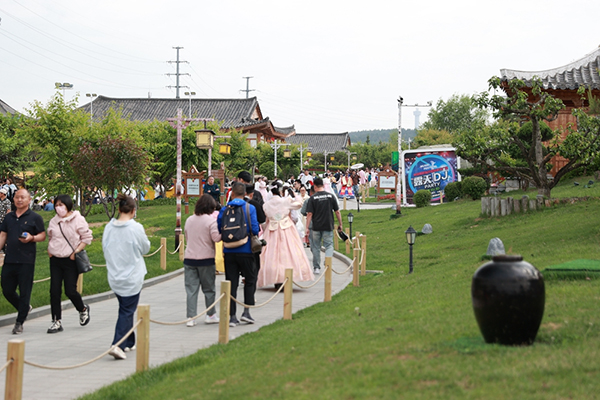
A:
(124, 243)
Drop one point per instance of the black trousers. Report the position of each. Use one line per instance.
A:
(236, 264)
(13, 276)
(63, 270)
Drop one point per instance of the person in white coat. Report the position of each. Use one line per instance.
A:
(124, 243)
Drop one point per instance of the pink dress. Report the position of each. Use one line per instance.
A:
(284, 248)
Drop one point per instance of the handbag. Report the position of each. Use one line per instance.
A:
(81, 259)
(256, 244)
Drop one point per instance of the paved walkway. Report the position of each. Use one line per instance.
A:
(77, 344)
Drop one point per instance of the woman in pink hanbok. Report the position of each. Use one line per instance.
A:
(284, 248)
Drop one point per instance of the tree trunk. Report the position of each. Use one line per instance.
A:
(544, 191)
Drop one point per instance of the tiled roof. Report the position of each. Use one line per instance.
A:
(321, 142)
(234, 113)
(583, 72)
(6, 109)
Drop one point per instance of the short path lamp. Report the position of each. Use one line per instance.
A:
(287, 153)
(411, 236)
(350, 219)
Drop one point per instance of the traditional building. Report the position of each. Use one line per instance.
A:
(322, 142)
(563, 83)
(6, 109)
(241, 114)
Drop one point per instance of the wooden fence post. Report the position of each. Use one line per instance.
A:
(355, 279)
(287, 294)
(348, 241)
(142, 357)
(328, 278)
(80, 284)
(344, 204)
(163, 253)
(181, 247)
(363, 246)
(13, 389)
(336, 241)
(224, 312)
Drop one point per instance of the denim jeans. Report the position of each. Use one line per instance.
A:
(317, 237)
(127, 307)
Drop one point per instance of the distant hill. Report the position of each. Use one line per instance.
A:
(377, 135)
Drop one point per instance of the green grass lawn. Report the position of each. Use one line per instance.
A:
(414, 336)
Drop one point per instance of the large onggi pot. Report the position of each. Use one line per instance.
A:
(508, 299)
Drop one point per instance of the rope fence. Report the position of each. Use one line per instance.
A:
(191, 318)
(261, 304)
(33, 364)
(177, 249)
(312, 284)
(6, 364)
(346, 270)
(157, 250)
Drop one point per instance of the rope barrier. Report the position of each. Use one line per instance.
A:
(262, 304)
(38, 281)
(346, 270)
(189, 319)
(98, 265)
(89, 361)
(157, 250)
(177, 249)
(362, 257)
(314, 283)
(6, 364)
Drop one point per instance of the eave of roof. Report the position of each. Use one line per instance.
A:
(6, 109)
(582, 72)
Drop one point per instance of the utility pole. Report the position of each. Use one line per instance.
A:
(248, 90)
(177, 74)
(180, 124)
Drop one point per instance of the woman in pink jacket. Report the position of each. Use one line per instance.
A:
(201, 233)
(68, 233)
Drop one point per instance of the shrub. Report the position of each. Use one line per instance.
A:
(474, 186)
(453, 190)
(422, 198)
(267, 169)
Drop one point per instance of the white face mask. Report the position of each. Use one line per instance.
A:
(61, 210)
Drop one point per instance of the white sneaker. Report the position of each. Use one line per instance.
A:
(317, 271)
(130, 348)
(212, 319)
(191, 323)
(117, 353)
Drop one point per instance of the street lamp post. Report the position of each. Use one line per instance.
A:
(411, 236)
(308, 154)
(205, 140)
(275, 146)
(63, 86)
(190, 94)
(350, 220)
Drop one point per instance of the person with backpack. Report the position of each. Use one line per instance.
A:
(236, 221)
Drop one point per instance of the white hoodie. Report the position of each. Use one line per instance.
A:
(124, 245)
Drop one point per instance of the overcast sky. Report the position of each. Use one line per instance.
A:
(321, 65)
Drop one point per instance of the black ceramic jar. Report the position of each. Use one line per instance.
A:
(508, 299)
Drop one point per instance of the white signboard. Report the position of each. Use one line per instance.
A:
(193, 187)
(387, 182)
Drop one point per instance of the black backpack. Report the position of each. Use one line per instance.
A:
(235, 229)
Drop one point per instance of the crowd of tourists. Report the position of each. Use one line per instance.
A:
(260, 232)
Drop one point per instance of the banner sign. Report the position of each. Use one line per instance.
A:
(428, 169)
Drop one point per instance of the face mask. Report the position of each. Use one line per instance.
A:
(61, 211)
